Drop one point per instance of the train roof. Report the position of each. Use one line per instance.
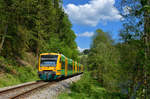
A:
(50, 54)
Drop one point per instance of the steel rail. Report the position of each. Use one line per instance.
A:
(32, 90)
(7, 93)
(9, 89)
(29, 92)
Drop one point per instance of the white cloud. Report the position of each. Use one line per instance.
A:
(93, 12)
(81, 49)
(86, 34)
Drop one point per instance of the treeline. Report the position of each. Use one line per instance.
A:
(124, 66)
(35, 26)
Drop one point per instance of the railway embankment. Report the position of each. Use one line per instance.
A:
(38, 89)
(52, 91)
(18, 70)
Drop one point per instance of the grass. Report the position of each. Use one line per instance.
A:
(13, 74)
(23, 74)
(88, 88)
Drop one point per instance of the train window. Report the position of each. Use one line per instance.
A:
(49, 60)
(49, 57)
(69, 67)
(63, 65)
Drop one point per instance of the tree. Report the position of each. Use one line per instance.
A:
(103, 60)
(136, 29)
(35, 26)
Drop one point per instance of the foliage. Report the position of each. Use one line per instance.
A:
(131, 66)
(122, 67)
(103, 60)
(134, 48)
(32, 26)
(14, 74)
(88, 88)
(35, 26)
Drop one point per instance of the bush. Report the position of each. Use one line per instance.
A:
(88, 88)
(13, 74)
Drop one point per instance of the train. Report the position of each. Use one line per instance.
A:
(53, 66)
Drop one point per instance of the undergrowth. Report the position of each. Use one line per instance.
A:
(11, 73)
(88, 88)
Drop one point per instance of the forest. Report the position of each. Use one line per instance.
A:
(35, 26)
(113, 70)
(28, 28)
(118, 70)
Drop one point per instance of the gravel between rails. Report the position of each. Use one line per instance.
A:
(15, 91)
(52, 91)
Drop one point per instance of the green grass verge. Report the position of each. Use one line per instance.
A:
(87, 88)
(23, 74)
(13, 74)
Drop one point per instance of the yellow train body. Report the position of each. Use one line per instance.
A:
(54, 65)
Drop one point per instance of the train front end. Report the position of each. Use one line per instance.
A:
(49, 66)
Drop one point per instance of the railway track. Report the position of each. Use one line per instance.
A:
(11, 93)
(29, 92)
(21, 92)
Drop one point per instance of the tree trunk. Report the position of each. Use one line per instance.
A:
(146, 39)
(3, 38)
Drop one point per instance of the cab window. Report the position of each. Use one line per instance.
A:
(49, 60)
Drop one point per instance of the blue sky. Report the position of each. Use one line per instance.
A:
(88, 15)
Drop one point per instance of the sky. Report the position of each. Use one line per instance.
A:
(88, 15)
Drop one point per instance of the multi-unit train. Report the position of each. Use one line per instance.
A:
(54, 66)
